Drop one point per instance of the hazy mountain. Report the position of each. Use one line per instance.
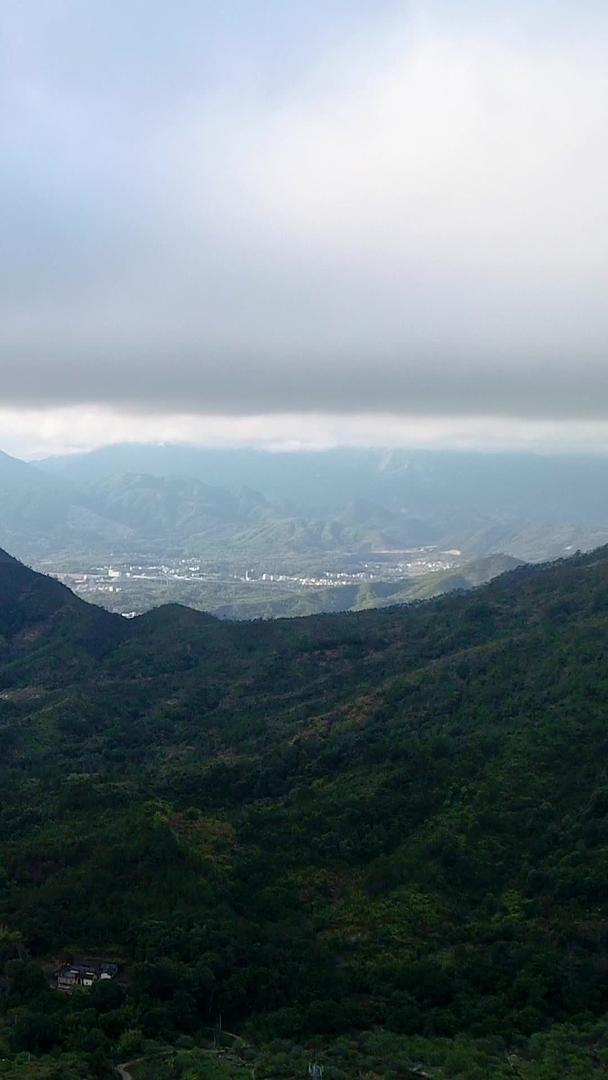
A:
(209, 519)
(47, 510)
(41, 513)
(30, 501)
(156, 507)
(531, 507)
(250, 506)
(550, 489)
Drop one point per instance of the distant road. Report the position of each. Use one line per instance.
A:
(124, 1069)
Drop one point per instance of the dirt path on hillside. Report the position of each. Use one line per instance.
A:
(124, 1070)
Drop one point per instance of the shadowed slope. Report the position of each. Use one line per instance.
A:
(45, 628)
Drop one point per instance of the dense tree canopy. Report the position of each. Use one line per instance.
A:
(382, 835)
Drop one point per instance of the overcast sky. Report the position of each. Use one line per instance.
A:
(303, 221)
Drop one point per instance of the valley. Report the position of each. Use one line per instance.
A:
(132, 527)
(278, 588)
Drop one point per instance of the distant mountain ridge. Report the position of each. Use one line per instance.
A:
(40, 513)
(250, 505)
(44, 514)
(509, 485)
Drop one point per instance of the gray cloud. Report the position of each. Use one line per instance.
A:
(337, 207)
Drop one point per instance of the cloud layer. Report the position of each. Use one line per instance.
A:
(339, 208)
(36, 433)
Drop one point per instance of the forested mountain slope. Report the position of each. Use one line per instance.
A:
(317, 827)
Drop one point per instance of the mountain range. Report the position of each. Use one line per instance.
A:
(422, 482)
(47, 514)
(380, 838)
(247, 504)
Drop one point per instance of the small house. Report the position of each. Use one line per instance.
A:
(84, 973)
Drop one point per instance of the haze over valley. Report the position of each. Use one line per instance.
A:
(258, 534)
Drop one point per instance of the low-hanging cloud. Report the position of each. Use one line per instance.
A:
(370, 208)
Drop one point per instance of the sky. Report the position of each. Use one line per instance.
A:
(304, 223)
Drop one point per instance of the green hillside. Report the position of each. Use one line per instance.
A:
(380, 838)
